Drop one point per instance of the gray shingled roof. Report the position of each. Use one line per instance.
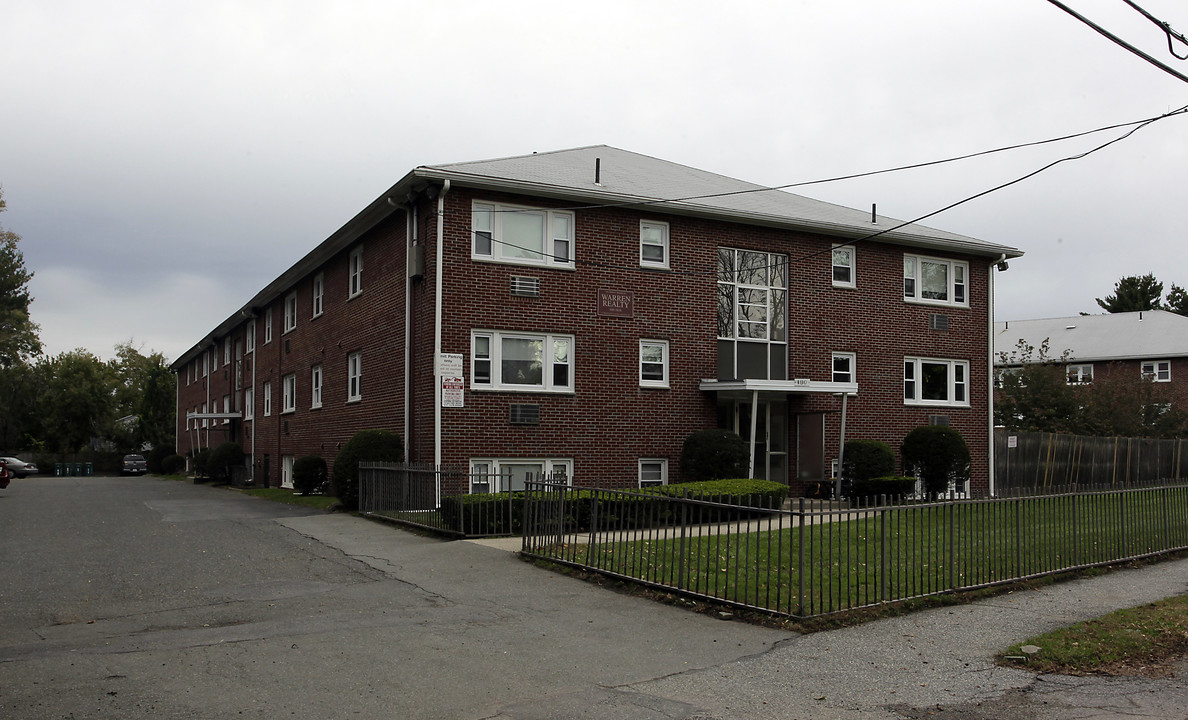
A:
(631, 178)
(1146, 335)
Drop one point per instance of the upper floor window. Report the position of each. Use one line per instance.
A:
(935, 280)
(289, 393)
(1080, 374)
(355, 269)
(319, 287)
(521, 235)
(928, 381)
(752, 315)
(227, 351)
(521, 361)
(1157, 370)
(315, 384)
(249, 404)
(843, 265)
(653, 244)
(250, 332)
(267, 326)
(653, 363)
(291, 312)
(267, 388)
(843, 367)
(355, 376)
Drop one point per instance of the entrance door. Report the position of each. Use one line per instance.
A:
(771, 436)
(810, 447)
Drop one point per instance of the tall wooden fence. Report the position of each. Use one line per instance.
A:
(1039, 462)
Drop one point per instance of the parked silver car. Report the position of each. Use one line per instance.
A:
(19, 468)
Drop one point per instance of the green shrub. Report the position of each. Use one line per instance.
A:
(890, 486)
(364, 446)
(201, 459)
(309, 473)
(153, 459)
(713, 455)
(938, 455)
(748, 492)
(866, 459)
(222, 459)
(173, 464)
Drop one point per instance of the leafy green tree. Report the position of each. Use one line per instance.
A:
(1177, 300)
(19, 341)
(1033, 393)
(76, 399)
(1133, 293)
(147, 390)
(1123, 403)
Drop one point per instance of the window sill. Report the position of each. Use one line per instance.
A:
(935, 403)
(654, 386)
(522, 391)
(288, 412)
(352, 401)
(848, 286)
(936, 303)
(315, 407)
(524, 263)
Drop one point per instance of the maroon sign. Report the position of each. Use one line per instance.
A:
(616, 303)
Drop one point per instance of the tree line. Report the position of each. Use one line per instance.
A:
(61, 404)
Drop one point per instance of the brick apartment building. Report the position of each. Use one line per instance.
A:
(583, 311)
(1151, 344)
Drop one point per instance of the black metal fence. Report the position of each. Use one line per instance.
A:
(824, 558)
(1038, 461)
(444, 499)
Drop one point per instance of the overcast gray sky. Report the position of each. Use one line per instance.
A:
(163, 161)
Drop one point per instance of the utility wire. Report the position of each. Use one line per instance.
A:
(1166, 27)
(1120, 41)
(1139, 125)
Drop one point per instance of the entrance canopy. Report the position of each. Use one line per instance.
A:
(756, 391)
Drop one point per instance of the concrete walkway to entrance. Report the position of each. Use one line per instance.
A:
(933, 664)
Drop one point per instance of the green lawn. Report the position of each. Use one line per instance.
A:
(865, 558)
(321, 502)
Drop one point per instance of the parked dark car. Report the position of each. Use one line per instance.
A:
(133, 465)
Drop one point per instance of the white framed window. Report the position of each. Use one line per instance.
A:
(204, 411)
(227, 351)
(653, 363)
(287, 462)
(267, 388)
(521, 361)
(249, 404)
(935, 281)
(845, 367)
(250, 335)
(205, 363)
(1080, 374)
(653, 244)
(503, 474)
(267, 326)
(355, 269)
(355, 377)
(843, 266)
(226, 407)
(1157, 370)
(291, 312)
(930, 381)
(522, 235)
(319, 289)
(752, 315)
(289, 393)
(315, 385)
(653, 472)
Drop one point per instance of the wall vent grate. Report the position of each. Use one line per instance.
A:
(525, 286)
(525, 414)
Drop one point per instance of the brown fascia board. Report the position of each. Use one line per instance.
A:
(686, 208)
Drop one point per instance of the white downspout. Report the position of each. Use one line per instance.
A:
(754, 430)
(438, 303)
(990, 373)
(252, 320)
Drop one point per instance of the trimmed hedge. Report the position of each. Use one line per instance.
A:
(889, 486)
(364, 446)
(502, 513)
(309, 474)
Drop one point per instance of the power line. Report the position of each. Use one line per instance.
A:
(1119, 41)
(1165, 27)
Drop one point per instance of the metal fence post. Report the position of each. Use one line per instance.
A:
(800, 570)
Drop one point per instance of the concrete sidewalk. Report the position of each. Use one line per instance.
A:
(935, 664)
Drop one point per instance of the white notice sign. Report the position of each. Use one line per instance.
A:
(449, 364)
(453, 392)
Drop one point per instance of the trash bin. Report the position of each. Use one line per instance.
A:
(88, 469)
(58, 469)
(78, 469)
